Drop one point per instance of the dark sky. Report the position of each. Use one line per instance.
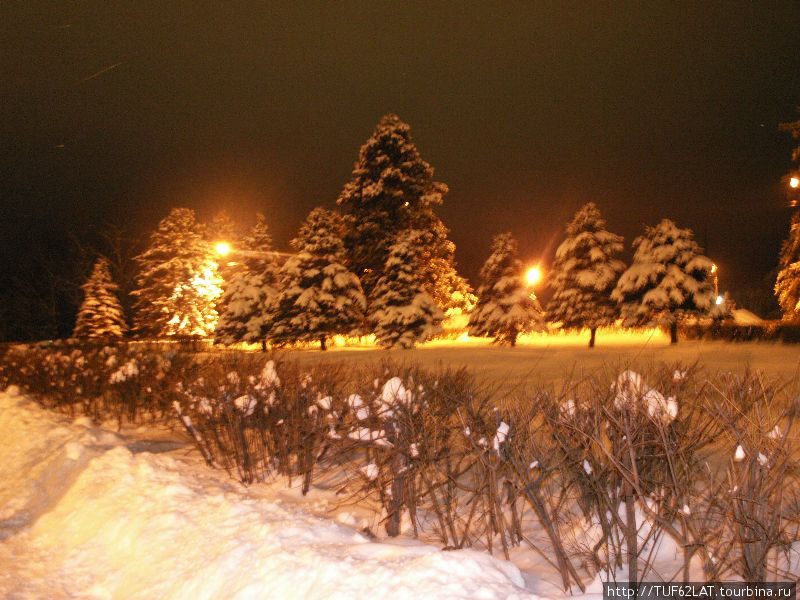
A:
(114, 112)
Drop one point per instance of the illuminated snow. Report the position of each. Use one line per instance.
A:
(84, 516)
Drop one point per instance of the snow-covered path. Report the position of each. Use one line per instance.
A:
(83, 516)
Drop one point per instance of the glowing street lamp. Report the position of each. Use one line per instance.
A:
(793, 192)
(225, 248)
(533, 275)
(222, 248)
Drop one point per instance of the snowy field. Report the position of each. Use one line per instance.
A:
(554, 358)
(92, 514)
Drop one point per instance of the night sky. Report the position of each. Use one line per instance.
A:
(114, 112)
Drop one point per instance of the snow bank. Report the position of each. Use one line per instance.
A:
(84, 516)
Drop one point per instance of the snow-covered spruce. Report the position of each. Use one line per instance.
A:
(319, 296)
(505, 307)
(668, 281)
(251, 289)
(391, 190)
(451, 292)
(100, 314)
(177, 282)
(221, 228)
(787, 286)
(401, 312)
(584, 273)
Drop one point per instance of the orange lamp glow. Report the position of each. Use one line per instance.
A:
(222, 248)
(533, 275)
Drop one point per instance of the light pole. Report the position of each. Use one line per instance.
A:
(714, 270)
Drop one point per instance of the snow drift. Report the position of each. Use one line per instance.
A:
(83, 514)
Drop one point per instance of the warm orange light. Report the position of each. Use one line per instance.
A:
(714, 268)
(222, 248)
(794, 182)
(533, 275)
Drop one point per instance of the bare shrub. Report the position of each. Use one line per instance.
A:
(606, 468)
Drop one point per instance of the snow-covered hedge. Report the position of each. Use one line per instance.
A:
(126, 382)
(610, 467)
(770, 331)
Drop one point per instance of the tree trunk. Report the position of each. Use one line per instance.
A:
(593, 332)
(513, 339)
(263, 344)
(322, 345)
(673, 332)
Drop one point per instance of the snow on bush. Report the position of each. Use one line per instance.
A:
(602, 467)
(631, 390)
(122, 382)
(127, 371)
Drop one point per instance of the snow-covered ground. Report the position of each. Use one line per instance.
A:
(88, 513)
(555, 358)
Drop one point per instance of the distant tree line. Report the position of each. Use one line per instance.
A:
(383, 264)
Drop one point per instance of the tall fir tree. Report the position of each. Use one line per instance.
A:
(319, 296)
(177, 282)
(392, 190)
(787, 285)
(793, 128)
(668, 281)
(221, 228)
(250, 289)
(451, 292)
(100, 314)
(505, 307)
(584, 274)
(401, 311)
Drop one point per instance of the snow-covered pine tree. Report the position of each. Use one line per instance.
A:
(401, 312)
(454, 295)
(793, 129)
(450, 290)
(505, 307)
(787, 286)
(584, 273)
(221, 228)
(250, 289)
(668, 281)
(319, 296)
(392, 190)
(177, 281)
(100, 314)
